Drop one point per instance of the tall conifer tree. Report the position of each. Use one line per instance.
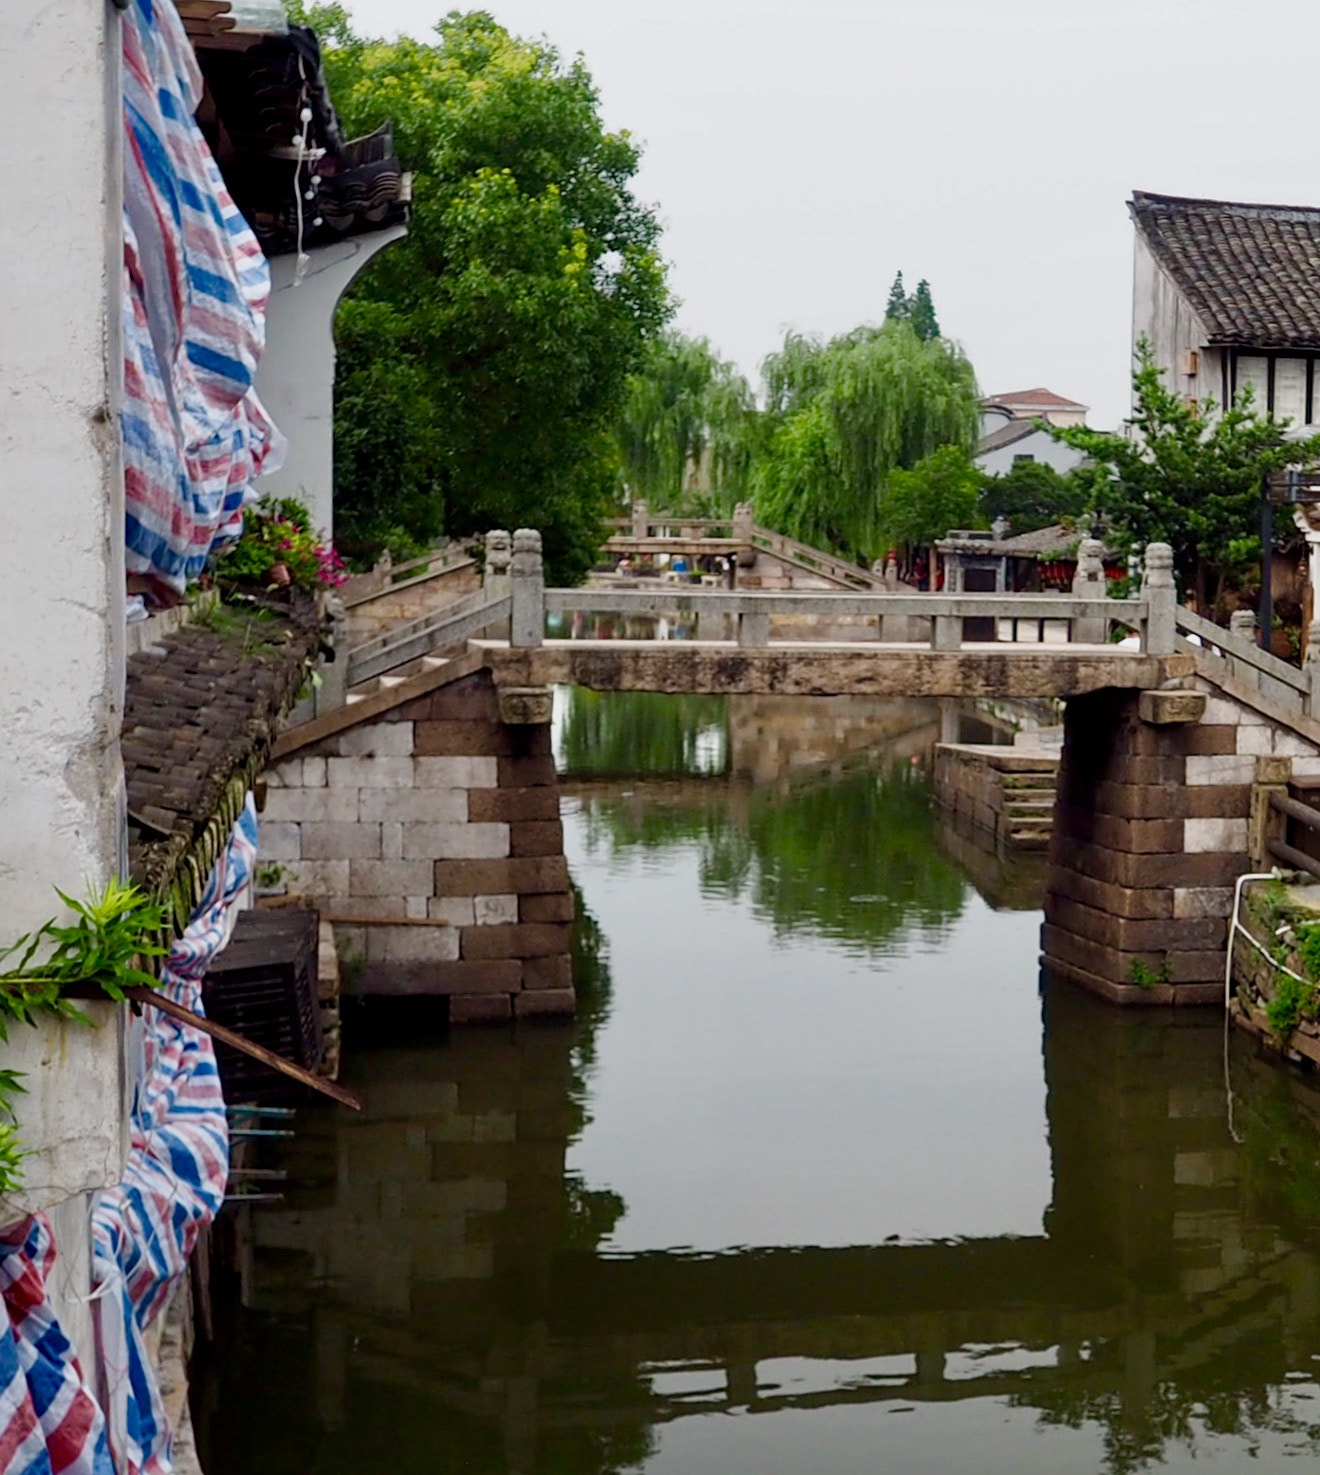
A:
(921, 312)
(896, 310)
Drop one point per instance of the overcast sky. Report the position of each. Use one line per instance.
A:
(801, 153)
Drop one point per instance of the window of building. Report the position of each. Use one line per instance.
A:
(1281, 383)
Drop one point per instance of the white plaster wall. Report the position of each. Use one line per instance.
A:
(61, 567)
(1161, 313)
(1039, 446)
(296, 377)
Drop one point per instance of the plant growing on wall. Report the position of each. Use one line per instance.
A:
(103, 948)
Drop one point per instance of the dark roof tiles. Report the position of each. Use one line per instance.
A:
(201, 711)
(1250, 272)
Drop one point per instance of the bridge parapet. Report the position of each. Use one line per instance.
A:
(1152, 614)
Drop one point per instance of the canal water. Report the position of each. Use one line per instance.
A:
(826, 1178)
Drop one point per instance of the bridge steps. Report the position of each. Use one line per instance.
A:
(1008, 792)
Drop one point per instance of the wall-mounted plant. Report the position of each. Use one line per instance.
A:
(1145, 977)
(271, 876)
(103, 949)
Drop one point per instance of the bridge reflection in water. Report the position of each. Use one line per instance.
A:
(444, 1290)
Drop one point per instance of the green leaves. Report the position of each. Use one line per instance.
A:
(1033, 495)
(1189, 475)
(939, 493)
(111, 932)
(688, 428)
(101, 947)
(847, 414)
(483, 359)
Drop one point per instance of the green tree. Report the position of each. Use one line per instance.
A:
(483, 359)
(1033, 495)
(687, 428)
(896, 310)
(921, 312)
(844, 414)
(939, 493)
(1189, 475)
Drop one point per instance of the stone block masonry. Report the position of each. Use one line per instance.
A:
(430, 832)
(1153, 825)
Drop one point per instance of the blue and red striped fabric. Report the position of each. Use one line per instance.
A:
(49, 1422)
(196, 287)
(144, 1230)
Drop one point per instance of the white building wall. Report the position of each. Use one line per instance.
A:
(61, 574)
(1039, 446)
(1161, 313)
(296, 377)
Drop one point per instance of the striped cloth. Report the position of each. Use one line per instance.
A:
(196, 287)
(49, 1422)
(144, 1229)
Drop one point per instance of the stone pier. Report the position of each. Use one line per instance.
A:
(427, 829)
(1153, 826)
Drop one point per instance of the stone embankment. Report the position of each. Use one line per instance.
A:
(429, 834)
(1008, 792)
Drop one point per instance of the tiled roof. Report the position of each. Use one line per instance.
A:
(1006, 435)
(201, 711)
(1032, 399)
(1057, 541)
(259, 95)
(1250, 272)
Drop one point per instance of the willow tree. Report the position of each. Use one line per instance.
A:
(687, 428)
(845, 414)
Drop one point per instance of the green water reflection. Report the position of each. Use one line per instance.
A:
(529, 1254)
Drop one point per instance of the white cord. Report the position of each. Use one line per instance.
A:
(302, 261)
(1234, 927)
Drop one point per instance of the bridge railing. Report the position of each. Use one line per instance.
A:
(1233, 653)
(463, 620)
(729, 535)
(388, 577)
(1152, 614)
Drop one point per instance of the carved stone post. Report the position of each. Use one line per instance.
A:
(640, 519)
(1089, 583)
(742, 532)
(754, 630)
(332, 693)
(527, 576)
(499, 550)
(1242, 623)
(495, 579)
(1313, 668)
(1160, 595)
